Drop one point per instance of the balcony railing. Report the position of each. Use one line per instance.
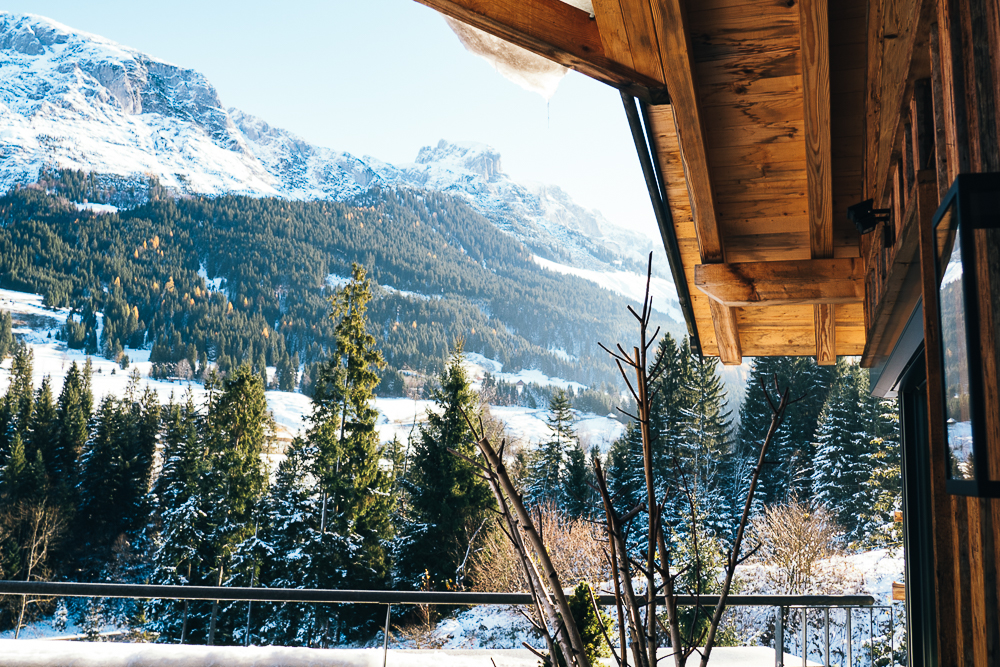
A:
(781, 603)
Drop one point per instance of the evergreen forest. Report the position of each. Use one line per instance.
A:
(218, 282)
(123, 489)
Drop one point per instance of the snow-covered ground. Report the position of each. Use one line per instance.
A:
(477, 366)
(38, 325)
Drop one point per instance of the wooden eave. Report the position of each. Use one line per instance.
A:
(761, 147)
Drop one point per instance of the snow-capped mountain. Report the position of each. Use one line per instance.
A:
(543, 217)
(73, 100)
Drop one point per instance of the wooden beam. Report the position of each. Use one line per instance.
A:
(816, 106)
(826, 334)
(815, 281)
(628, 35)
(676, 56)
(815, 39)
(554, 30)
(678, 69)
(727, 334)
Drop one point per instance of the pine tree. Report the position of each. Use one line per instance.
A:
(43, 432)
(292, 551)
(884, 483)
(578, 498)
(116, 468)
(356, 489)
(102, 479)
(177, 556)
(626, 482)
(237, 428)
(547, 471)
(15, 483)
(448, 500)
(789, 467)
(669, 409)
(845, 444)
(706, 426)
(6, 333)
(71, 433)
(19, 401)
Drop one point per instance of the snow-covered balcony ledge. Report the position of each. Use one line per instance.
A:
(46, 653)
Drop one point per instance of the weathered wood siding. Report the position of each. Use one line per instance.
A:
(932, 112)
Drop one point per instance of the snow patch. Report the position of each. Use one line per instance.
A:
(563, 354)
(411, 295)
(334, 281)
(213, 284)
(99, 209)
(625, 283)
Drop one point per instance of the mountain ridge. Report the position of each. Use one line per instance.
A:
(73, 100)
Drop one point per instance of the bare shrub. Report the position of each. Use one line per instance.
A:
(573, 546)
(28, 532)
(794, 537)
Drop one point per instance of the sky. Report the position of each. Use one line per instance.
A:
(381, 78)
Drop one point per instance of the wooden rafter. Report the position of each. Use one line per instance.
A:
(815, 39)
(676, 56)
(629, 35)
(553, 29)
(816, 281)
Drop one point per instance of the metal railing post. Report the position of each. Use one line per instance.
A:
(850, 639)
(871, 636)
(892, 636)
(805, 637)
(779, 638)
(385, 640)
(826, 636)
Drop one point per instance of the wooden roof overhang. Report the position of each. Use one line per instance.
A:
(755, 116)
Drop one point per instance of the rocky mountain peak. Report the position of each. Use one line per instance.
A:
(72, 100)
(479, 159)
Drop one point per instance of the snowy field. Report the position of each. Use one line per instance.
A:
(39, 325)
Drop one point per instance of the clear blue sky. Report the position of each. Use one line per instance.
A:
(381, 78)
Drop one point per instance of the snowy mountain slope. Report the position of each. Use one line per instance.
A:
(73, 100)
(543, 217)
(78, 101)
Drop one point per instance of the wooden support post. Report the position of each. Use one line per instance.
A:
(814, 30)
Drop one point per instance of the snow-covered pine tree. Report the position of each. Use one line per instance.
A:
(578, 497)
(357, 491)
(706, 440)
(180, 515)
(448, 501)
(788, 470)
(237, 428)
(624, 469)
(72, 426)
(547, 472)
(102, 480)
(884, 484)
(18, 403)
(845, 445)
(292, 551)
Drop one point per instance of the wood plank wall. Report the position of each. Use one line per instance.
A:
(933, 112)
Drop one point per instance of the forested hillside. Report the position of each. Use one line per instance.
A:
(445, 271)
